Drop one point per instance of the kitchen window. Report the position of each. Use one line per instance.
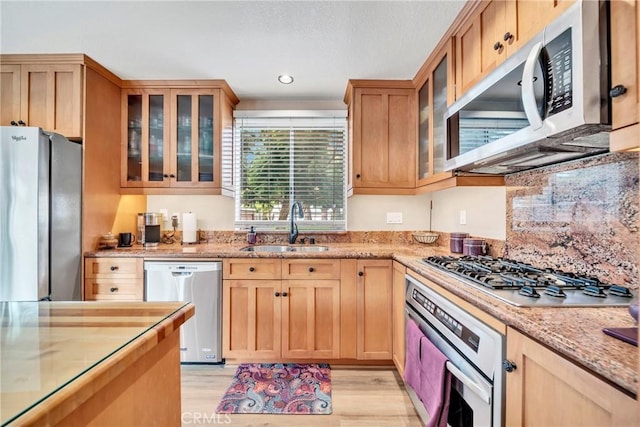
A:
(286, 156)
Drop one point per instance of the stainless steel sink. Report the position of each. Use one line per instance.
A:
(284, 248)
(311, 248)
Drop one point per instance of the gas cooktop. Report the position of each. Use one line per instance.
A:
(525, 285)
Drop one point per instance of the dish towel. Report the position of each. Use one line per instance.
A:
(412, 369)
(435, 383)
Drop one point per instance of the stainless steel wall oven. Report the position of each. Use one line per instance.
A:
(475, 352)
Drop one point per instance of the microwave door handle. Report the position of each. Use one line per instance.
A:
(464, 379)
(528, 93)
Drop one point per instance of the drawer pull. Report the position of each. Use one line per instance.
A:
(113, 268)
(114, 289)
(252, 269)
(311, 269)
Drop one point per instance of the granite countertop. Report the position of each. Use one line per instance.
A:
(51, 349)
(575, 333)
(233, 250)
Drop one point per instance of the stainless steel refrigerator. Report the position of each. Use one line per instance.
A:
(40, 215)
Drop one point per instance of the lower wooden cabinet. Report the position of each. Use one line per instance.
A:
(399, 327)
(111, 278)
(547, 389)
(251, 318)
(310, 319)
(269, 318)
(366, 305)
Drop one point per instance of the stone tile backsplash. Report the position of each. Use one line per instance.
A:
(580, 216)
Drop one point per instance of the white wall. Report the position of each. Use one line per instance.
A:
(485, 210)
(370, 212)
(212, 212)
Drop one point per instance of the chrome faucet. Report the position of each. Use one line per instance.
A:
(293, 232)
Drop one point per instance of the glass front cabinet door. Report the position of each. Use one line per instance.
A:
(434, 96)
(169, 138)
(145, 139)
(192, 155)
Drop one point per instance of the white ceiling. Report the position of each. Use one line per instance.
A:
(247, 43)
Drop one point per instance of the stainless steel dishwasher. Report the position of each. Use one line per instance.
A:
(201, 284)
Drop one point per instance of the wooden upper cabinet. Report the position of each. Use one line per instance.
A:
(9, 94)
(494, 31)
(44, 95)
(434, 97)
(383, 136)
(145, 138)
(625, 75)
(172, 136)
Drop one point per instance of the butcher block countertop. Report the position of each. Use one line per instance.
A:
(575, 333)
(56, 355)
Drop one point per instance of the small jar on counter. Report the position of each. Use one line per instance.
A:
(456, 242)
(474, 247)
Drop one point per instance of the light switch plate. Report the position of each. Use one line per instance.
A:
(463, 217)
(394, 217)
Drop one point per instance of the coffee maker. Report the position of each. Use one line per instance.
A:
(149, 230)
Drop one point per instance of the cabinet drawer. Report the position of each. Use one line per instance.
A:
(113, 289)
(251, 268)
(122, 268)
(311, 269)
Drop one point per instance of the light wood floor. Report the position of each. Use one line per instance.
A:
(362, 397)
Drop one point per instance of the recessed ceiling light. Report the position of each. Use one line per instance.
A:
(285, 79)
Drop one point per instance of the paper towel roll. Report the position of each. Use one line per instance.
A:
(189, 229)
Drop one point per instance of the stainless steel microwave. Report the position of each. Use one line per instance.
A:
(547, 103)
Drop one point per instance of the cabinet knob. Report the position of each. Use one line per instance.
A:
(113, 268)
(311, 269)
(360, 273)
(508, 365)
(507, 36)
(277, 294)
(172, 175)
(166, 175)
(14, 123)
(114, 289)
(617, 91)
(252, 269)
(284, 294)
(497, 46)
(358, 176)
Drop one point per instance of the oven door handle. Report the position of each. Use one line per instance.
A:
(468, 382)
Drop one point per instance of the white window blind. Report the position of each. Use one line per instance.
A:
(284, 159)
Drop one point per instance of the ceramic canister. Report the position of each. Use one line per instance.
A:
(455, 242)
(474, 247)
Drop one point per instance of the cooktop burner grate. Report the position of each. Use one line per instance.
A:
(505, 277)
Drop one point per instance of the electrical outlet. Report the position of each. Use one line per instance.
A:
(165, 215)
(463, 217)
(394, 217)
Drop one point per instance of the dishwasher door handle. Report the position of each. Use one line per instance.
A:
(182, 273)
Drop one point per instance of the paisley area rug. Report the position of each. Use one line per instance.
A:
(279, 388)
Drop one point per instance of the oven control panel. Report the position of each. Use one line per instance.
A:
(461, 331)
